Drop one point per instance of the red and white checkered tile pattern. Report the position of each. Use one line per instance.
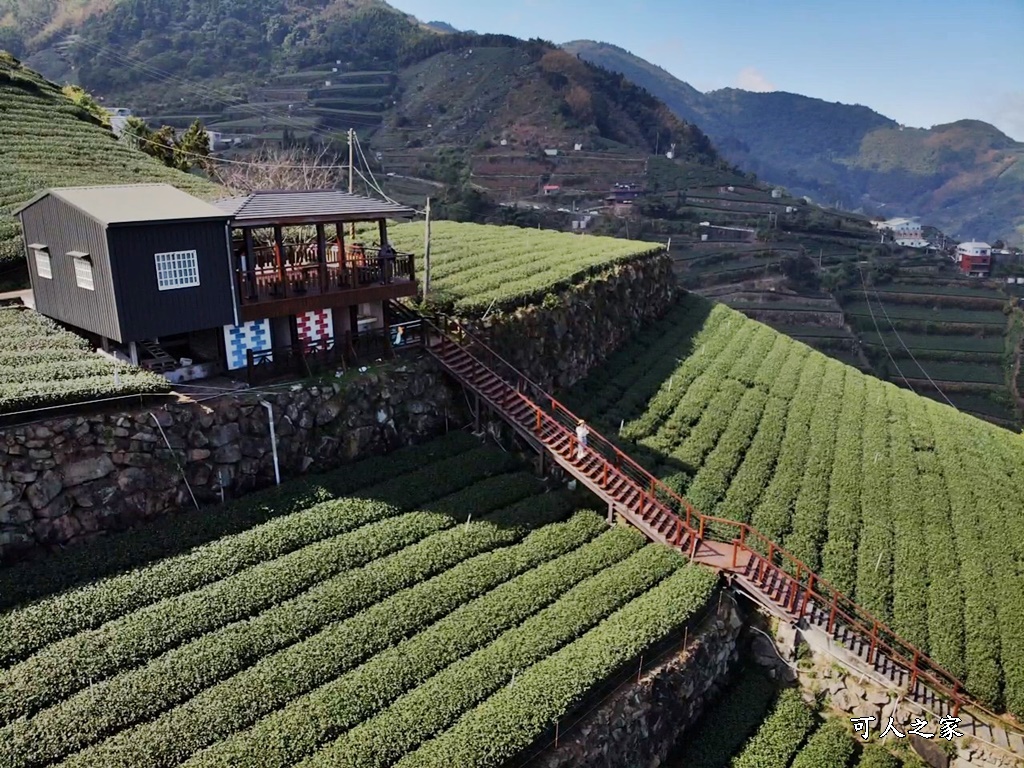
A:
(315, 325)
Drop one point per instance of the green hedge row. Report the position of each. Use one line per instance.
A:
(875, 756)
(240, 701)
(146, 691)
(831, 746)
(296, 731)
(513, 718)
(85, 659)
(38, 394)
(437, 704)
(171, 535)
(29, 357)
(727, 723)
(61, 370)
(29, 629)
(780, 734)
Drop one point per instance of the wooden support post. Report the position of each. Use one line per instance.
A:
(874, 641)
(807, 596)
(611, 512)
(791, 603)
(913, 671)
(956, 698)
(832, 613)
(476, 414)
(321, 255)
(604, 475)
(250, 263)
(279, 257)
(537, 427)
(735, 552)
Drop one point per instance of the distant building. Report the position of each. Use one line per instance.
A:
(974, 258)
(551, 152)
(624, 193)
(550, 189)
(118, 118)
(776, 193)
(905, 232)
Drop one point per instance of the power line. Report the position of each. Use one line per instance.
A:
(907, 349)
(227, 99)
(879, 332)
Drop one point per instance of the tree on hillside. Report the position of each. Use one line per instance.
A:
(85, 101)
(191, 150)
(284, 169)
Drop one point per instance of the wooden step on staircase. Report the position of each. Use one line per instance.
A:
(749, 561)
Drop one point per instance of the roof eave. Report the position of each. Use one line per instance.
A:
(324, 219)
(35, 199)
(154, 222)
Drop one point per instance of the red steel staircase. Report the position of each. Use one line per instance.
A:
(766, 572)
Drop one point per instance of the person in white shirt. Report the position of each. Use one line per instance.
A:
(581, 439)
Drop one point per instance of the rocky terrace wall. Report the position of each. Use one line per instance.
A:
(559, 341)
(66, 479)
(640, 724)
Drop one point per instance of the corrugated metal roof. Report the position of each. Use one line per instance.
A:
(323, 205)
(132, 203)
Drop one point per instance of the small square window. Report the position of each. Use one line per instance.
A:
(83, 274)
(42, 259)
(177, 269)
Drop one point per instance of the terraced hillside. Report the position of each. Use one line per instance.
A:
(475, 265)
(345, 620)
(41, 364)
(905, 504)
(48, 140)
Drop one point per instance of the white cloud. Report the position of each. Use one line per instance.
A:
(752, 79)
(1007, 114)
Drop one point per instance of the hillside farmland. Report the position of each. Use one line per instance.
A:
(903, 503)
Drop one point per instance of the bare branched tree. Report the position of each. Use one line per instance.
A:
(280, 169)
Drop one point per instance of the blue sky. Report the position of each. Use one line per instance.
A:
(919, 62)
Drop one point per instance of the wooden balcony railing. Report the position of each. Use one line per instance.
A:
(300, 273)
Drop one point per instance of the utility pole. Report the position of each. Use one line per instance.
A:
(426, 254)
(351, 177)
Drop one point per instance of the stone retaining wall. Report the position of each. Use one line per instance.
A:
(559, 341)
(639, 725)
(65, 479)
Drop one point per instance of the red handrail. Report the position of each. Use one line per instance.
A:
(882, 638)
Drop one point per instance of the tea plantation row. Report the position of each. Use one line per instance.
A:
(907, 505)
(449, 614)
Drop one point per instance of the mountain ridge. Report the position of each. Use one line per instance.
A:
(965, 177)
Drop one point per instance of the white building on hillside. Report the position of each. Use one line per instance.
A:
(974, 258)
(905, 232)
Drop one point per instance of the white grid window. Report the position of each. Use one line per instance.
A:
(177, 269)
(83, 274)
(43, 268)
